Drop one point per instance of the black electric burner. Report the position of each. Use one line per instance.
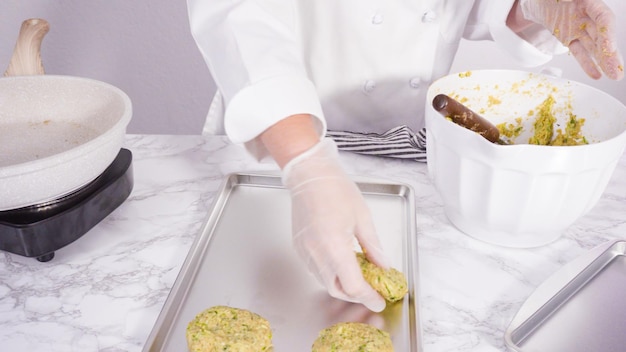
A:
(39, 230)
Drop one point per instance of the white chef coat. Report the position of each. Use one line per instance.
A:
(357, 65)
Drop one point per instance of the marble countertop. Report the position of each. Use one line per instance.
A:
(104, 292)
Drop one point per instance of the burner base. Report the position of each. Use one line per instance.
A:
(39, 230)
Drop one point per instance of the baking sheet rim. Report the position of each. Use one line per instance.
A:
(564, 278)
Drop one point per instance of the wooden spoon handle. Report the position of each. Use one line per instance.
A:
(26, 58)
(464, 116)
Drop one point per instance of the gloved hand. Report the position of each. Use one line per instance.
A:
(328, 214)
(586, 27)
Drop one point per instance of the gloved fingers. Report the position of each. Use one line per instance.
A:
(335, 290)
(366, 296)
(594, 63)
(600, 15)
(582, 54)
(328, 278)
(343, 278)
(350, 281)
(369, 240)
(603, 34)
(373, 250)
(613, 66)
(376, 255)
(575, 23)
(565, 21)
(609, 59)
(324, 259)
(353, 312)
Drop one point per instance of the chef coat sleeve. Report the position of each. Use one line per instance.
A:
(252, 53)
(533, 47)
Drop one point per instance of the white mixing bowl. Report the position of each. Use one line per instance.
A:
(521, 195)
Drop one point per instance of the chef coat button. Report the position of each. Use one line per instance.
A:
(415, 82)
(369, 86)
(377, 19)
(429, 16)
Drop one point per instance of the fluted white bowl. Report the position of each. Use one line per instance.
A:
(521, 195)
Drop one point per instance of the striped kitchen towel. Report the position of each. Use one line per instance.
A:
(399, 142)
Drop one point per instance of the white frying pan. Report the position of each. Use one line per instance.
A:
(57, 133)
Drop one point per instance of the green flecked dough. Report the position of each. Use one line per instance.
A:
(352, 337)
(228, 329)
(390, 283)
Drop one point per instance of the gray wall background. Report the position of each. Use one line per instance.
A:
(145, 48)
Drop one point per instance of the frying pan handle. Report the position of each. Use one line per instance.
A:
(26, 59)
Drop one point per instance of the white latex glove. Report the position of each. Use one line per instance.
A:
(328, 214)
(586, 27)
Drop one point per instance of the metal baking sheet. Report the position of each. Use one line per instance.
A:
(579, 309)
(244, 258)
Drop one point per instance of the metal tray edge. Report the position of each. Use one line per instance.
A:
(168, 312)
(571, 276)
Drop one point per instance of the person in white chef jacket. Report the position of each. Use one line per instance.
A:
(288, 70)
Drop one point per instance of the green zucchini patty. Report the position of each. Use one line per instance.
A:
(227, 329)
(352, 337)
